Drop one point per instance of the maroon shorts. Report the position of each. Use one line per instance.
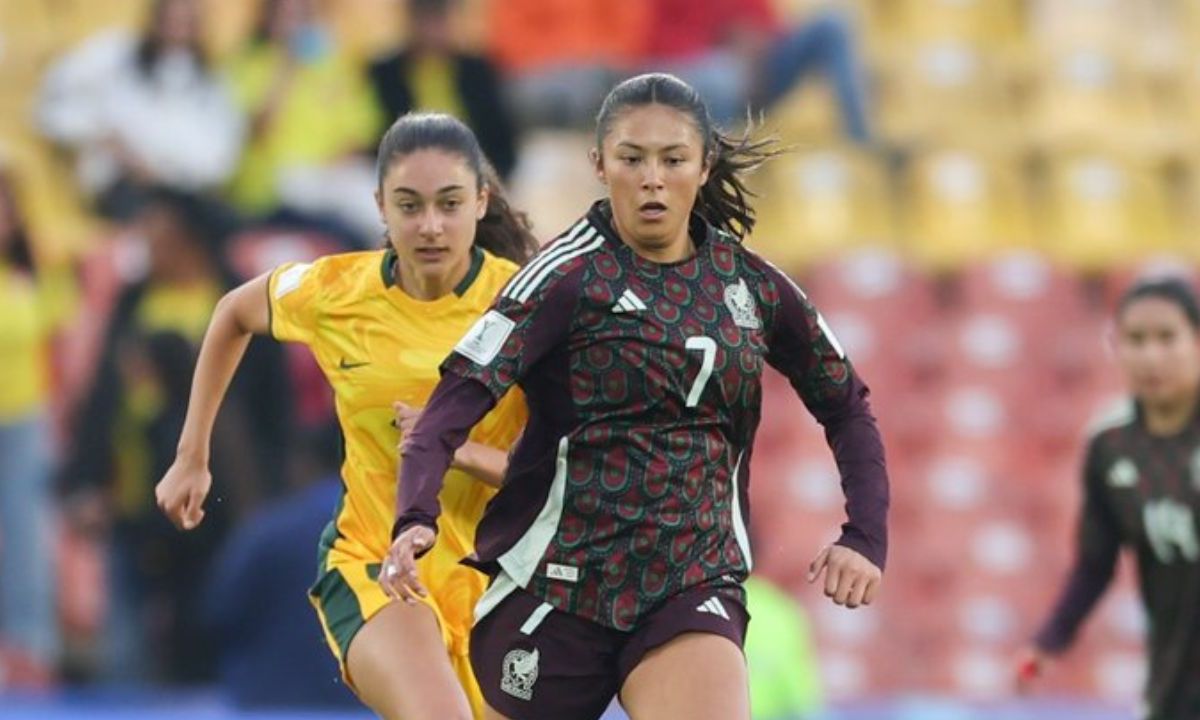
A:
(533, 662)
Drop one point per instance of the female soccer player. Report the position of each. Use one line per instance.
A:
(378, 324)
(1142, 490)
(618, 542)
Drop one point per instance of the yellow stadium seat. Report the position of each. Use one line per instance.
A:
(1089, 97)
(947, 92)
(816, 202)
(987, 24)
(962, 206)
(1103, 210)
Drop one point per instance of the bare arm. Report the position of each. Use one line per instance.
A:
(243, 312)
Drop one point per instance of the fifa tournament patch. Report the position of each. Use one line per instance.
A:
(289, 279)
(741, 305)
(483, 341)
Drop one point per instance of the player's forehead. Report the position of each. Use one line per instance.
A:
(654, 128)
(1152, 313)
(428, 172)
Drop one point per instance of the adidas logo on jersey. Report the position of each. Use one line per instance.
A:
(713, 606)
(628, 302)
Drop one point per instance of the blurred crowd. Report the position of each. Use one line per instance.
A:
(153, 153)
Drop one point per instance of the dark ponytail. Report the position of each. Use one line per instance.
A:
(724, 199)
(503, 231)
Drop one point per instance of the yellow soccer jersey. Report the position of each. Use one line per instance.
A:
(376, 345)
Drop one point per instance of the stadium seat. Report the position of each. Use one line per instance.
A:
(1104, 210)
(818, 202)
(947, 91)
(963, 206)
(1085, 95)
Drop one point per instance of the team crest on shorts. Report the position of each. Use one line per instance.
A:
(741, 305)
(520, 673)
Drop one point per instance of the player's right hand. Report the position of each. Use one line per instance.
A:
(398, 575)
(181, 493)
(1031, 665)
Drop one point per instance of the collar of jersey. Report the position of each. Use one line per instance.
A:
(388, 270)
(701, 232)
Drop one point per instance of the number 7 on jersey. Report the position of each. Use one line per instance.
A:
(708, 346)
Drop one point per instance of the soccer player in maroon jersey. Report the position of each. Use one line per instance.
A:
(618, 544)
(1142, 490)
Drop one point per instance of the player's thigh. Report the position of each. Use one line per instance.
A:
(400, 668)
(695, 676)
(490, 714)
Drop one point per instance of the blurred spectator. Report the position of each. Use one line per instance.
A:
(562, 57)
(785, 678)
(141, 111)
(28, 620)
(125, 439)
(433, 74)
(312, 116)
(256, 600)
(739, 55)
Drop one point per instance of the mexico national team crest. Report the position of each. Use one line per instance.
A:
(742, 306)
(520, 673)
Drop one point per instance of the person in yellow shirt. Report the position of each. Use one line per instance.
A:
(30, 314)
(379, 323)
(311, 115)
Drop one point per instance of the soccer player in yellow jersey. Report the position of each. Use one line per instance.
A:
(379, 323)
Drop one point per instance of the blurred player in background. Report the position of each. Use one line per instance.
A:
(618, 542)
(378, 323)
(1142, 490)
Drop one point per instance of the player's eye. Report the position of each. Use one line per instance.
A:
(630, 159)
(675, 161)
(451, 203)
(408, 208)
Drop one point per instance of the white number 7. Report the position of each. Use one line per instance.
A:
(709, 347)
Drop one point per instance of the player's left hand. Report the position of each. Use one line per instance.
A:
(398, 575)
(850, 579)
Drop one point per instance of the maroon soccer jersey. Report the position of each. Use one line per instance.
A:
(1143, 492)
(644, 388)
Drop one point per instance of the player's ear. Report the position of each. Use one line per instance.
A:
(598, 165)
(379, 206)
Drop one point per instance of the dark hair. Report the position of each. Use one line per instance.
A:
(503, 231)
(724, 199)
(425, 8)
(150, 47)
(19, 253)
(1172, 289)
(208, 223)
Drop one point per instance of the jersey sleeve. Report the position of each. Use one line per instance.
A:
(522, 327)
(1098, 544)
(802, 347)
(294, 297)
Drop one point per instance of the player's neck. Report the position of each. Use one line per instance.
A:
(1170, 418)
(427, 287)
(678, 250)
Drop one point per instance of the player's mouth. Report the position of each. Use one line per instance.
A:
(432, 254)
(652, 211)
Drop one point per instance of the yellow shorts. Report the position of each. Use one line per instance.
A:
(347, 595)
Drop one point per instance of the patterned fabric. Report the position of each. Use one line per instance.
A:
(1143, 492)
(645, 380)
